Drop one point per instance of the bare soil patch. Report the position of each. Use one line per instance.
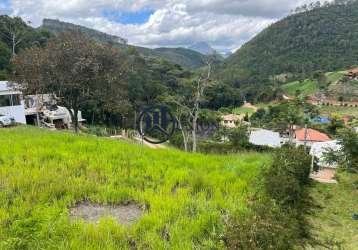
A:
(92, 212)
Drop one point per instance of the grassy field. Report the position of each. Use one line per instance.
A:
(307, 87)
(186, 196)
(243, 110)
(334, 225)
(328, 110)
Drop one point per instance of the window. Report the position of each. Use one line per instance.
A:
(4, 100)
(16, 100)
(9, 100)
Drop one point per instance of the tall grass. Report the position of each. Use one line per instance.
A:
(186, 196)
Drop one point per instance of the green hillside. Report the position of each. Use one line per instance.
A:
(43, 174)
(334, 85)
(324, 38)
(306, 87)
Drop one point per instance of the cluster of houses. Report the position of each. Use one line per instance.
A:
(316, 141)
(41, 110)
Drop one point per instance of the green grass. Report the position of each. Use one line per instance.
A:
(333, 77)
(243, 110)
(334, 226)
(328, 110)
(307, 87)
(43, 173)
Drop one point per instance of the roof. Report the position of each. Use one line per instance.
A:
(231, 117)
(312, 135)
(263, 137)
(353, 71)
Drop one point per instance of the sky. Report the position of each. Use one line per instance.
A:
(224, 24)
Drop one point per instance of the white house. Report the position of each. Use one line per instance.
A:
(263, 137)
(11, 102)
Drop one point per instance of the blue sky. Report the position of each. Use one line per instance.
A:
(136, 17)
(224, 24)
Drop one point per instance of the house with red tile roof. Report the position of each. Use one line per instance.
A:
(310, 135)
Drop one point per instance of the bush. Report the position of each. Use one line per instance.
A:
(264, 226)
(286, 180)
(277, 219)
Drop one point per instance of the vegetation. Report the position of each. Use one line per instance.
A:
(295, 88)
(285, 190)
(297, 46)
(77, 69)
(333, 225)
(186, 197)
(16, 35)
(347, 157)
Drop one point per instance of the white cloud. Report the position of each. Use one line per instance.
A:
(225, 24)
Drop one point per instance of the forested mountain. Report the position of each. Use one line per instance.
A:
(184, 57)
(321, 38)
(57, 26)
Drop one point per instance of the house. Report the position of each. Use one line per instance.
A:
(231, 120)
(263, 137)
(11, 102)
(319, 149)
(353, 73)
(310, 136)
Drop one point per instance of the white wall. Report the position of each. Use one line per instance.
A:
(18, 112)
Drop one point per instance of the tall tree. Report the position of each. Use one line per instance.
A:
(13, 30)
(189, 102)
(76, 69)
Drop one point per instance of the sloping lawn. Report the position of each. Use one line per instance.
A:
(333, 222)
(185, 197)
(307, 87)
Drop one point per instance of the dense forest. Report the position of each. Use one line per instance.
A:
(317, 37)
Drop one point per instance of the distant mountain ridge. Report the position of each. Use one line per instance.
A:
(57, 26)
(203, 48)
(184, 57)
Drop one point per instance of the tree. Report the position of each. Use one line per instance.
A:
(188, 104)
(77, 70)
(13, 30)
(347, 156)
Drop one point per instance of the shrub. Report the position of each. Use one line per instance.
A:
(277, 219)
(287, 178)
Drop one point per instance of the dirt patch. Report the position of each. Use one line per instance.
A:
(92, 212)
(325, 175)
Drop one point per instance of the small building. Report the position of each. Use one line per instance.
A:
(231, 120)
(353, 73)
(11, 103)
(310, 136)
(263, 137)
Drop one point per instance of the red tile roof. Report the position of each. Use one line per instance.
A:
(312, 135)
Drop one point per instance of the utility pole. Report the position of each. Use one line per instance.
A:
(305, 142)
